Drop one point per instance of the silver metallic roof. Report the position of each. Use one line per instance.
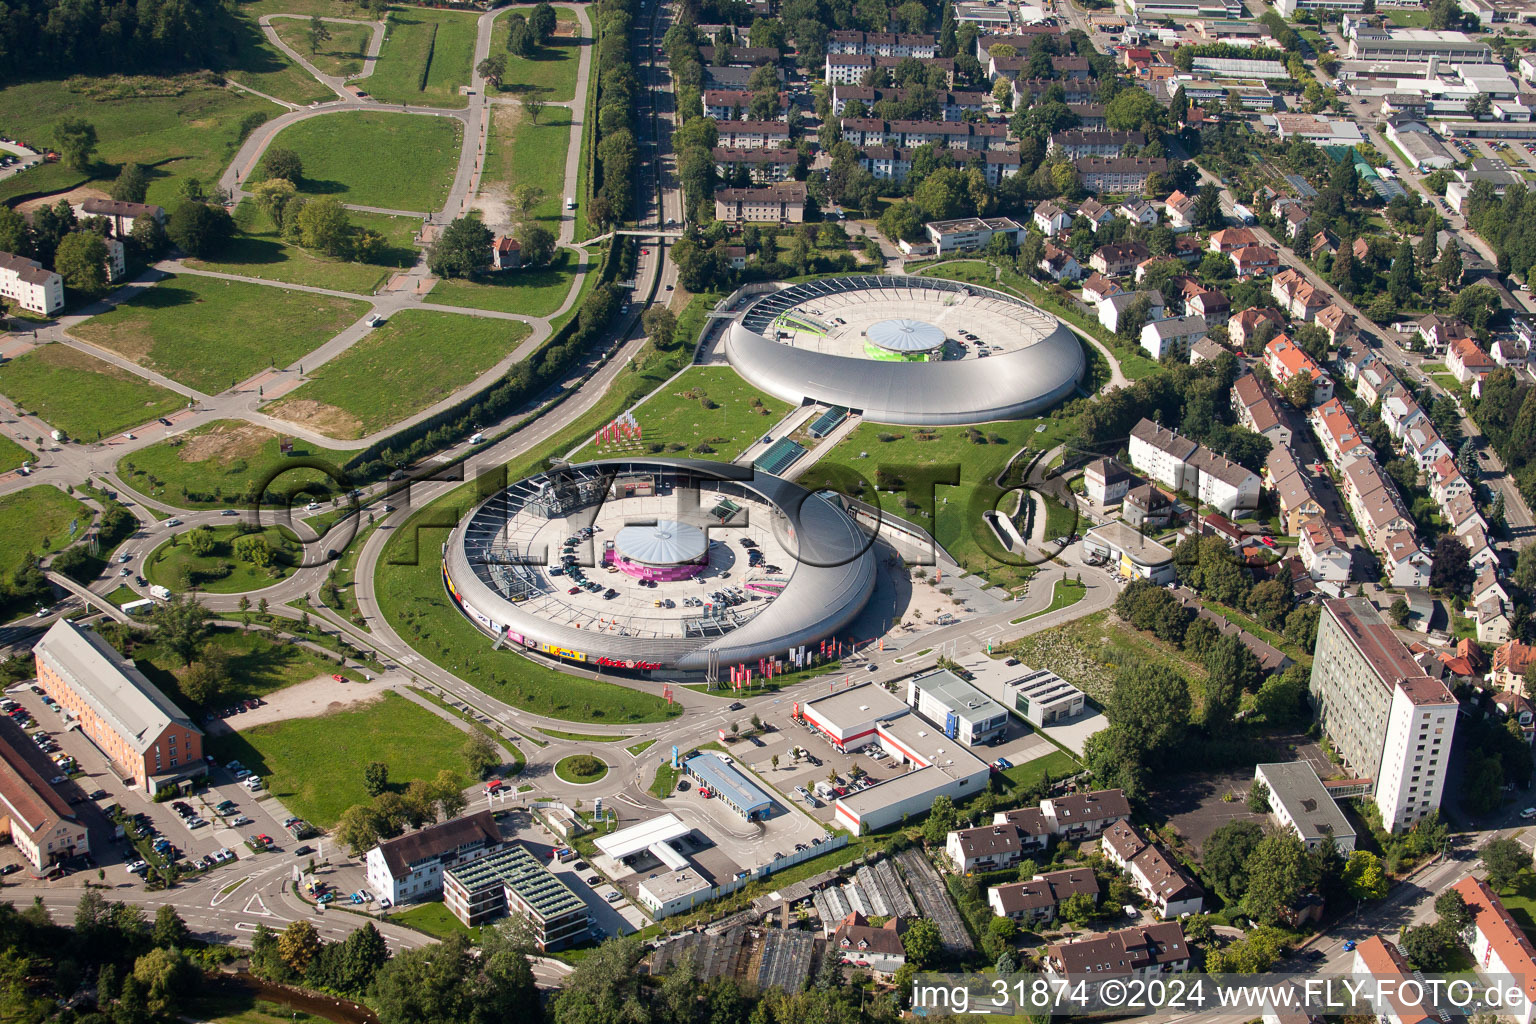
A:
(1011, 385)
(665, 542)
(830, 578)
(903, 335)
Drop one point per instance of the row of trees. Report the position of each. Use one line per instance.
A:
(42, 36)
(420, 802)
(617, 152)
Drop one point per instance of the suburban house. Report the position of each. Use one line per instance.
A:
(1229, 240)
(1296, 295)
(864, 945)
(1181, 211)
(1038, 900)
(1111, 307)
(1467, 361)
(1241, 326)
(410, 868)
(1404, 563)
(1285, 359)
(1146, 506)
(1382, 961)
(1255, 261)
(1106, 482)
(1138, 211)
(1339, 324)
(1155, 874)
(1512, 662)
(1172, 336)
(1051, 219)
(1137, 952)
(1117, 259)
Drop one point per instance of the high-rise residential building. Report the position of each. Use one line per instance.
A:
(1389, 722)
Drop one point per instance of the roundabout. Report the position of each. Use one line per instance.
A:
(580, 769)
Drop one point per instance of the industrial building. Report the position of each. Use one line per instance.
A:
(1300, 802)
(940, 766)
(1388, 720)
(512, 880)
(968, 714)
(1044, 698)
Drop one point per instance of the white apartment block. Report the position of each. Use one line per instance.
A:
(1388, 721)
(31, 287)
(1182, 465)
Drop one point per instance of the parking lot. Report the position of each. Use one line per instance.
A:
(98, 787)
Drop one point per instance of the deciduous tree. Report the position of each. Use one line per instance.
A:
(76, 139)
(81, 261)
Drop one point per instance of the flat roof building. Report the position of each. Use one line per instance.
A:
(1300, 802)
(1388, 720)
(1044, 698)
(512, 880)
(848, 717)
(149, 740)
(1135, 555)
(733, 788)
(967, 714)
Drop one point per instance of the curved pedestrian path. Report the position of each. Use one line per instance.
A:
(336, 84)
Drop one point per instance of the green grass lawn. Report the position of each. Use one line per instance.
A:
(13, 455)
(410, 591)
(209, 333)
(341, 55)
(178, 568)
(1057, 762)
(565, 769)
(550, 74)
(257, 667)
(639, 748)
(191, 131)
(346, 582)
(398, 369)
(231, 1004)
(391, 160)
(531, 291)
(519, 152)
(37, 520)
(1520, 900)
(678, 421)
(1064, 594)
(1408, 19)
(258, 250)
(959, 528)
(86, 397)
(123, 595)
(426, 57)
(214, 465)
(664, 784)
(434, 919)
(315, 765)
(259, 64)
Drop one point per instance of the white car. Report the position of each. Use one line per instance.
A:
(1528, 813)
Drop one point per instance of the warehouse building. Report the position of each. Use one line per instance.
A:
(1044, 698)
(967, 714)
(848, 717)
(512, 880)
(940, 766)
(151, 743)
(1300, 802)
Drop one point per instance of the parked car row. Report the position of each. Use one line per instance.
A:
(235, 709)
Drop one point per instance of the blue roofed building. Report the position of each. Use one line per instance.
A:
(726, 783)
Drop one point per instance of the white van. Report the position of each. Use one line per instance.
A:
(570, 202)
(254, 783)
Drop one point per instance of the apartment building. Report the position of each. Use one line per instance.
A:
(760, 165)
(1338, 433)
(1388, 721)
(1173, 336)
(150, 741)
(1182, 465)
(990, 847)
(1077, 143)
(1293, 489)
(1512, 662)
(120, 215)
(1157, 877)
(1300, 803)
(43, 826)
(1378, 508)
(1324, 551)
(26, 283)
(1260, 412)
(953, 106)
(1379, 959)
(1038, 900)
(780, 203)
(1140, 952)
(1285, 359)
(410, 868)
(1117, 259)
(883, 44)
(972, 232)
(1500, 946)
(1106, 482)
(1467, 361)
(1118, 173)
(1296, 295)
(751, 134)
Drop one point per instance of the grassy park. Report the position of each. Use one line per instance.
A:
(167, 328)
(427, 55)
(341, 55)
(874, 454)
(258, 64)
(258, 666)
(531, 291)
(519, 152)
(315, 765)
(179, 127)
(37, 520)
(412, 167)
(86, 397)
(550, 73)
(709, 412)
(213, 465)
(1058, 763)
(258, 250)
(409, 588)
(221, 570)
(397, 370)
(1064, 594)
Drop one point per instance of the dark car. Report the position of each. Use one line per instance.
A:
(10, 869)
(301, 851)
